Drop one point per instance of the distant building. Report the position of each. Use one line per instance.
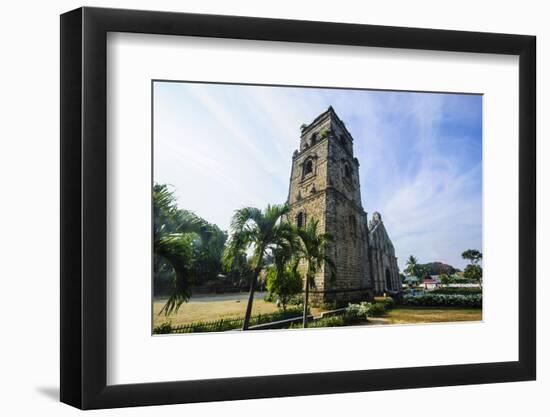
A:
(431, 282)
(411, 281)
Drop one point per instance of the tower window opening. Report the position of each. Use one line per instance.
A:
(301, 219)
(313, 139)
(308, 167)
(347, 171)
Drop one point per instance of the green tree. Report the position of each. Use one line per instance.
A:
(284, 283)
(187, 249)
(259, 232)
(445, 278)
(208, 250)
(282, 277)
(413, 268)
(473, 255)
(238, 268)
(473, 271)
(314, 251)
(173, 244)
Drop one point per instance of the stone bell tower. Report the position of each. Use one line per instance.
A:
(324, 185)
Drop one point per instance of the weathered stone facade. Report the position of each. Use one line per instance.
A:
(324, 185)
(382, 256)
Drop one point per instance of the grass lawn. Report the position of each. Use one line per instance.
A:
(195, 311)
(409, 315)
(210, 310)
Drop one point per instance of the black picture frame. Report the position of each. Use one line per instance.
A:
(84, 207)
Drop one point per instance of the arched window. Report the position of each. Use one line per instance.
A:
(301, 219)
(308, 167)
(342, 140)
(313, 139)
(388, 280)
(347, 171)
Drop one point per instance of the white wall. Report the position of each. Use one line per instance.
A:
(29, 225)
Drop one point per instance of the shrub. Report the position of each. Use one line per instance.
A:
(377, 310)
(323, 133)
(443, 300)
(460, 280)
(357, 312)
(284, 284)
(453, 290)
(277, 316)
(296, 300)
(389, 303)
(332, 321)
(334, 305)
(164, 328)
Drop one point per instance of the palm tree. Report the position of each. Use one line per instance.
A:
(413, 268)
(177, 250)
(261, 232)
(172, 242)
(314, 252)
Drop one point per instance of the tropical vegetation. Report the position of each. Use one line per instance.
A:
(260, 233)
(284, 282)
(313, 251)
(264, 246)
(186, 248)
(448, 274)
(413, 268)
(473, 271)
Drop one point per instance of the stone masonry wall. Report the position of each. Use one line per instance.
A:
(328, 190)
(382, 254)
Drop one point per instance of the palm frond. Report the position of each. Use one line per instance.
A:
(176, 250)
(315, 247)
(242, 216)
(235, 248)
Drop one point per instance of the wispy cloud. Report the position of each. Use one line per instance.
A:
(225, 146)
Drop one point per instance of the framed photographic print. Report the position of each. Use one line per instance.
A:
(258, 207)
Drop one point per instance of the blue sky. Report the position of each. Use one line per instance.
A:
(222, 147)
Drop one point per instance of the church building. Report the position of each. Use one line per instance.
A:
(324, 185)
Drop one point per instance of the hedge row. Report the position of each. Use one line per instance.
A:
(443, 300)
(457, 290)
